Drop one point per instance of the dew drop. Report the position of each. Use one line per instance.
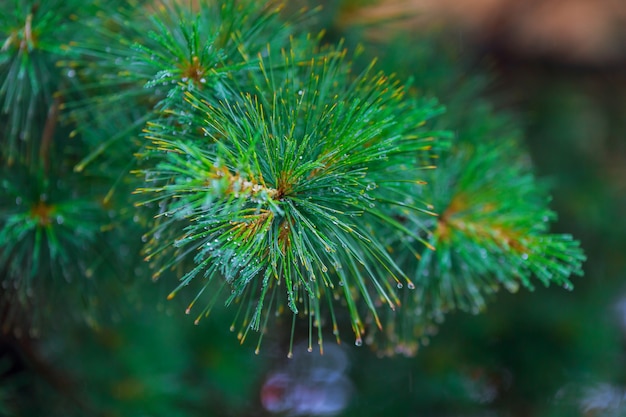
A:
(399, 285)
(410, 286)
(18, 200)
(60, 219)
(358, 341)
(71, 73)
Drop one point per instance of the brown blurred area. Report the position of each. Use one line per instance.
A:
(561, 64)
(588, 32)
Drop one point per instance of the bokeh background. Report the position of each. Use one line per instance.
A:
(557, 70)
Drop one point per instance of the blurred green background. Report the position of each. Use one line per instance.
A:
(550, 352)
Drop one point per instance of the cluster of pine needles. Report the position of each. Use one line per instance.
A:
(268, 170)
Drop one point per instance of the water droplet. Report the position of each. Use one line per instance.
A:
(410, 286)
(300, 92)
(71, 73)
(399, 285)
(524, 256)
(60, 219)
(358, 341)
(203, 80)
(371, 186)
(18, 200)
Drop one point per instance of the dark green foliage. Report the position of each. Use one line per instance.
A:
(275, 176)
(267, 179)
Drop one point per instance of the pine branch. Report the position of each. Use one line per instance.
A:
(494, 225)
(274, 174)
(282, 188)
